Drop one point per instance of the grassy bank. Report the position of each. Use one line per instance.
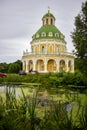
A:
(48, 80)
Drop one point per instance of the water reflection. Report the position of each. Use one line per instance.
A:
(46, 97)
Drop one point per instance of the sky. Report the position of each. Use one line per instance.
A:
(20, 19)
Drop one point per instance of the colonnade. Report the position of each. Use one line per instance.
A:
(49, 65)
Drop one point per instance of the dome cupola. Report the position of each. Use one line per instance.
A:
(48, 30)
(48, 18)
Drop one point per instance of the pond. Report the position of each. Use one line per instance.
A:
(47, 95)
(54, 105)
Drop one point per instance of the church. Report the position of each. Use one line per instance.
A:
(48, 49)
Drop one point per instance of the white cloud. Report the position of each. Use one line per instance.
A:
(20, 19)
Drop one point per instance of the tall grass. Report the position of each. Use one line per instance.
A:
(83, 118)
(21, 114)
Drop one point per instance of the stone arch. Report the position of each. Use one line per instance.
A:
(47, 21)
(51, 65)
(62, 66)
(30, 65)
(40, 65)
(51, 21)
(69, 65)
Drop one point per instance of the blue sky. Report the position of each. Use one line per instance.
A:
(20, 19)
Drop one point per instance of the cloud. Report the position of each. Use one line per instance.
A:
(12, 49)
(20, 19)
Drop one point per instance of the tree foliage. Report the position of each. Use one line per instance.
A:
(15, 67)
(79, 36)
(3, 67)
(11, 67)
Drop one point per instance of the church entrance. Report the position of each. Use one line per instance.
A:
(40, 65)
(30, 65)
(51, 66)
(69, 66)
(62, 66)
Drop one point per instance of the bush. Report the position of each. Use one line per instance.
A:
(49, 80)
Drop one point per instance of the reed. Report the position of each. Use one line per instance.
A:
(21, 114)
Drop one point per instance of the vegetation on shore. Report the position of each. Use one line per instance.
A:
(48, 80)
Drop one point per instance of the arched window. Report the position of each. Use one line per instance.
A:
(69, 65)
(51, 21)
(50, 34)
(46, 21)
(57, 48)
(42, 49)
(37, 35)
(56, 35)
(62, 65)
(43, 34)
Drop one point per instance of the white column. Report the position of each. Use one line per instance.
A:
(46, 49)
(34, 65)
(57, 65)
(45, 65)
(72, 65)
(54, 48)
(67, 68)
(27, 66)
(24, 65)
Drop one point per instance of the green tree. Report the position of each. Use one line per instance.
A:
(79, 36)
(4, 67)
(11, 67)
(15, 67)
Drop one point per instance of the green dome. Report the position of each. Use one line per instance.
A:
(48, 15)
(48, 32)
